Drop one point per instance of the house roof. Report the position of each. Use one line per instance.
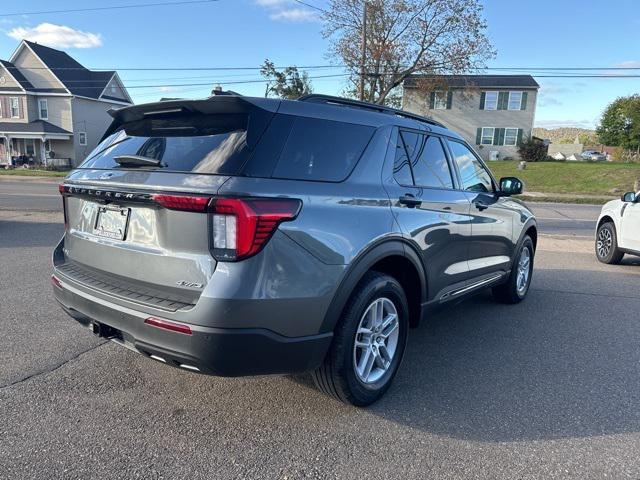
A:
(17, 74)
(75, 77)
(37, 126)
(475, 81)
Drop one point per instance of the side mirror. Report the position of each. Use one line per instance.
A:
(511, 186)
(629, 197)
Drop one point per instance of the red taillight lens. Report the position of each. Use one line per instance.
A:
(187, 203)
(168, 325)
(61, 188)
(241, 227)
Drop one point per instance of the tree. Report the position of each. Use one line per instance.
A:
(405, 37)
(620, 123)
(285, 83)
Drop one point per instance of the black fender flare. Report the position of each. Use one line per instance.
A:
(361, 265)
(531, 222)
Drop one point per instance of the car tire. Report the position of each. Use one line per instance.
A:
(360, 366)
(607, 244)
(515, 289)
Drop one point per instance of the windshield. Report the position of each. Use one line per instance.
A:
(202, 147)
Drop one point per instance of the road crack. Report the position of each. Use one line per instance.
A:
(50, 370)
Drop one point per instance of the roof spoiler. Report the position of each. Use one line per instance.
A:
(218, 104)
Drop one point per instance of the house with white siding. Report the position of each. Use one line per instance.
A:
(495, 113)
(52, 108)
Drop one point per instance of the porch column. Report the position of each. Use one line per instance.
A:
(9, 140)
(43, 152)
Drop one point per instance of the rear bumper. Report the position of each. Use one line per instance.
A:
(215, 351)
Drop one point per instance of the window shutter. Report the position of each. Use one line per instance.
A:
(523, 105)
(519, 141)
(5, 107)
(496, 136)
(483, 96)
(20, 107)
(501, 133)
(449, 99)
(479, 136)
(432, 100)
(503, 100)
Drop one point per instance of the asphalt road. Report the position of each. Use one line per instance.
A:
(26, 194)
(545, 389)
(42, 195)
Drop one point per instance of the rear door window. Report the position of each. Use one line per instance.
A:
(421, 161)
(322, 150)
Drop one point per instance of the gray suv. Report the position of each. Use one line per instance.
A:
(246, 236)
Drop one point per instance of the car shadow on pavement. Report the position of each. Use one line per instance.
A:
(558, 365)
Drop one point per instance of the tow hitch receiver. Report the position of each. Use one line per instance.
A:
(104, 331)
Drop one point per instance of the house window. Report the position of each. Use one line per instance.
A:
(491, 101)
(511, 136)
(43, 108)
(82, 138)
(515, 100)
(487, 136)
(15, 107)
(440, 101)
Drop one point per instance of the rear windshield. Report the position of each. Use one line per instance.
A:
(199, 145)
(297, 148)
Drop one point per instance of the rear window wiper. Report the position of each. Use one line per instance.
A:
(136, 161)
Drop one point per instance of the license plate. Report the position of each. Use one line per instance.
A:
(112, 222)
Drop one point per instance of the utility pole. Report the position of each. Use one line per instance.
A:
(364, 49)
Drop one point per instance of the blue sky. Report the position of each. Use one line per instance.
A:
(242, 33)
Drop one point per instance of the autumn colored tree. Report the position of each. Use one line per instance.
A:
(286, 83)
(405, 37)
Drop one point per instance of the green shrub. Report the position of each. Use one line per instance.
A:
(532, 151)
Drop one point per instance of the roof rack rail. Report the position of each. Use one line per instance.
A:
(319, 98)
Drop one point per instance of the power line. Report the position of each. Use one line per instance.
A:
(310, 6)
(112, 7)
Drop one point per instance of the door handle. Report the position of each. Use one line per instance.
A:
(481, 205)
(410, 201)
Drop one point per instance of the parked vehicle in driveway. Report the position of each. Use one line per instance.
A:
(593, 155)
(618, 230)
(242, 236)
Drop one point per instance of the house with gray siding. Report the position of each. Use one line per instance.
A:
(52, 108)
(495, 113)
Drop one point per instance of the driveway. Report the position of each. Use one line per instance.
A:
(545, 389)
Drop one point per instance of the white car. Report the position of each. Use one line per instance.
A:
(619, 229)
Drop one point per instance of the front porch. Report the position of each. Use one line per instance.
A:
(34, 143)
(31, 151)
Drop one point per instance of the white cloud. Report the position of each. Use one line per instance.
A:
(566, 123)
(57, 36)
(629, 64)
(287, 11)
(294, 15)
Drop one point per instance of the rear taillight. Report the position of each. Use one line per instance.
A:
(242, 226)
(187, 203)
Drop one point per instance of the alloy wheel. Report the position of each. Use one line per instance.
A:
(604, 243)
(524, 271)
(376, 340)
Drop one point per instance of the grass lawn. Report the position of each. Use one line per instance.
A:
(571, 177)
(32, 172)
